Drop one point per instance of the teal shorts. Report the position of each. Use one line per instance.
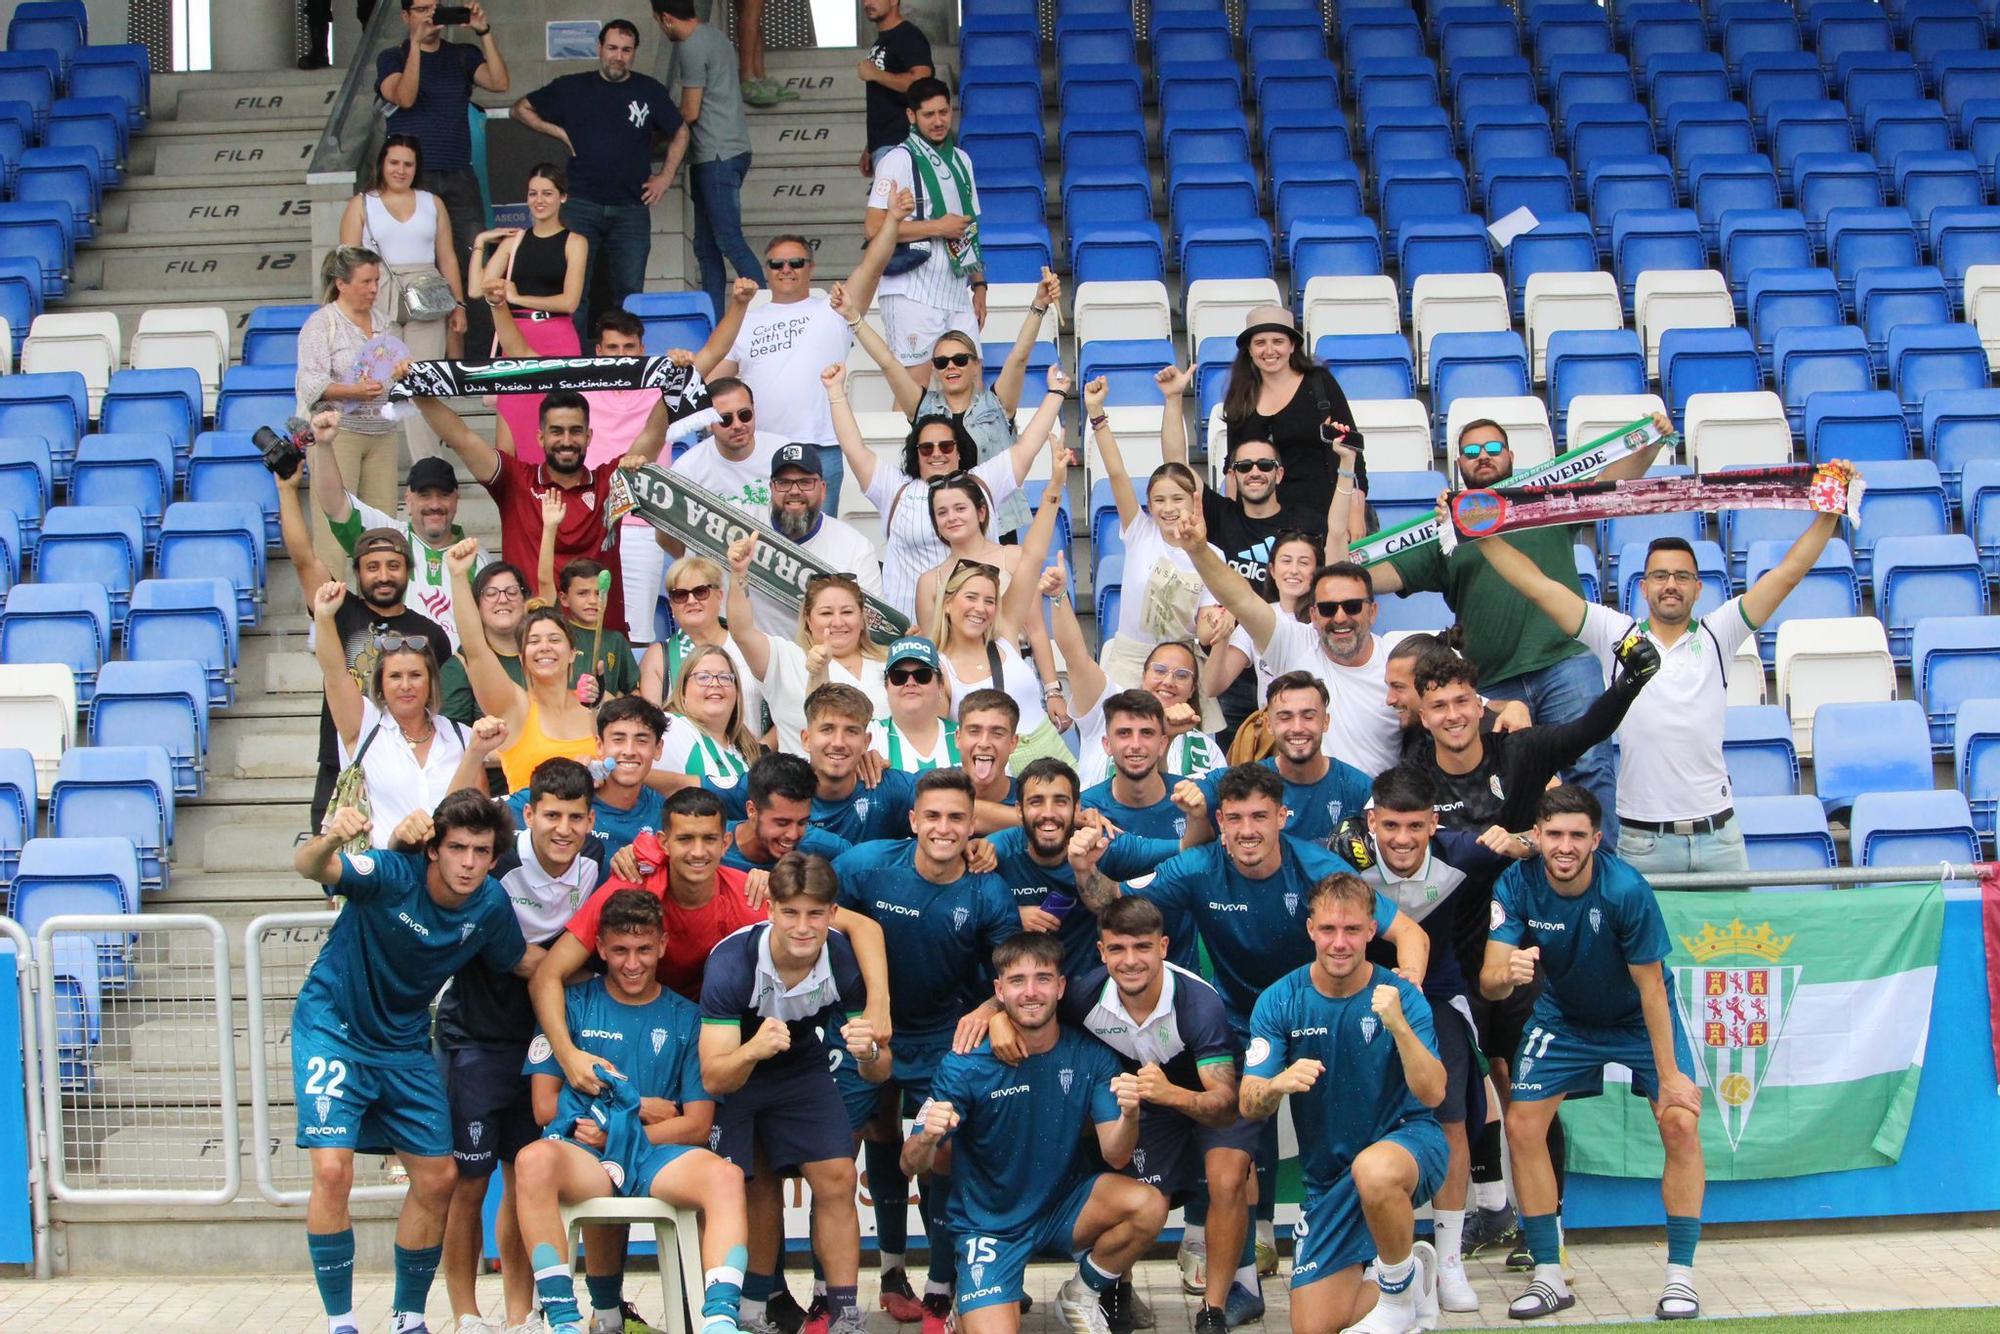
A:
(1333, 1235)
(360, 1104)
(992, 1269)
(1564, 1060)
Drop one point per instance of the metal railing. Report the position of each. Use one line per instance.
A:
(278, 949)
(31, 1083)
(352, 121)
(1845, 877)
(139, 1062)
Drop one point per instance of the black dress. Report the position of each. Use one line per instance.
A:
(1294, 431)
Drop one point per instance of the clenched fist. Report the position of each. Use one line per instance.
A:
(1125, 1088)
(772, 1038)
(1387, 1002)
(1521, 965)
(940, 1119)
(1299, 1076)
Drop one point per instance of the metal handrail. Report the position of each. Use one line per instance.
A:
(1832, 875)
(343, 143)
(38, 1179)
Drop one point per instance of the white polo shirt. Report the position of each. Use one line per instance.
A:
(1364, 732)
(1670, 744)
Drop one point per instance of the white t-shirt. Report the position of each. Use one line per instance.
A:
(1189, 755)
(842, 548)
(1017, 678)
(914, 546)
(1670, 764)
(397, 783)
(1240, 640)
(1364, 732)
(932, 282)
(744, 483)
(686, 749)
(780, 353)
(785, 690)
(1145, 548)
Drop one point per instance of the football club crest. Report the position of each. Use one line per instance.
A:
(1139, 1161)
(958, 918)
(978, 1273)
(1065, 1077)
(714, 1137)
(475, 1131)
(659, 1037)
(1369, 1023)
(1291, 905)
(1525, 1064)
(465, 931)
(1734, 1002)
(1596, 921)
(322, 1105)
(540, 1049)
(1180, 826)
(1494, 783)
(861, 805)
(616, 1171)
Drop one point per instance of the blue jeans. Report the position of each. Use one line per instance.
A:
(834, 465)
(1667, 854)
(1560, 693)
(718, 225)
(622, 235)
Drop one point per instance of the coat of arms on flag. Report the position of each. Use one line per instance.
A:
(1734, 1002)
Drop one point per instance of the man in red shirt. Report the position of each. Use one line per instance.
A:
(703, 902)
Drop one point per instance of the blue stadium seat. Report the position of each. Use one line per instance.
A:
(1410, 134)
(1812, 360)
(1480, 81)
(1771, 77)
(1341, 247)
(1226, 250)
(1442, 244)
(94, 544)
(1326, 191)
(135, 469)
(1105, 200)
(27, 485)
(1957, 432)
(126, 788)
(1663, 30)
(1879, 747)
(271, 338)
(254, 396)
(1858, 238)
(100, 72)
(1941, 29)
(1831, 588)
(1126, 252)
(89, 876)
(1708, 129)
(671, 319)
(96, 123)
(1673, 80)
(1600, 131)
(11, 550)
(1399, 497)
(1394, 83)
(1097, 46)
(1408, 191)
(1176, 46)
(1614, 535)
(1953, 659)
(1210, 194)
(1779, 299)
(1369, 366)
(215, 539)
(1300, 136)
(19, 808)
(1017, 254)
(1378, 35)
(1900, 126)
(1592, 361)
(1613, 187)
(1563, 243)
(1920, 828)
(1588, 577)
(1539, 184)
(1785, 834)
(55, 32)
(1904, 498)
(1916, 577)
(1041, 356)
(1109, 583)
(1757, 748)
(1273, 45)
(1979, 134)
(1311, 84)
(1580, 81)
(52, 405)
(1742, 529)
(1823, 182)
(187, 620)
(1481, 365)
(1927, 358)
(163, 704)
(1475, 32)
(1762, 239)
(25, 78)
(1888, 296)
(68, 624)
(1794, 129)
(1424, 611)
(1644, 239)
(1927, 182)
(1961, 238)
(1720, 183)
(165, 401)
(1128, 364)
(1976, 751)
(65, 176)
(1706, 361)
(20, 298)
(1494, 133)
(1755, 29)
(1967, 73)
(227, 465)
(1862, 426)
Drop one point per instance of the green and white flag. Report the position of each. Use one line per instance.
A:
(1807, 1017)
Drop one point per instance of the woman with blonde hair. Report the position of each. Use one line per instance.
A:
(976, 630)
(706, 735)
(330, 343)
(832, 645)
(694, 589)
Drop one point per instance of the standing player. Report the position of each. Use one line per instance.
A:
(1319, 790)
(1015, 1132)
(643, 1136)
(1592, 924)
(1352, 1045)
(781, 1005)
(940, 924)
(363, 1076)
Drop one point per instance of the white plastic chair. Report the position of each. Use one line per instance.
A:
(1007, 307)
(1594, 415)
(1351, 305)
(1396, 434)
(1557, 301)
(1722, 429)
(38, 714)
(1526, 421)
(1666, 299)
(195, 336)
(1134, 309)
(1220, 307)
(1831, 660)
(1982, 307)
(1455, 303)
(83, 341)
(677, 1240)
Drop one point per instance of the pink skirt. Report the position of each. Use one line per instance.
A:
(552, 337)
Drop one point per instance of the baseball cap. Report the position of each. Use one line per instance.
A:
(382, 539)
(803, 457)
(913, 648)
(432, 474)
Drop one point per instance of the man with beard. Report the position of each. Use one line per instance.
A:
(1441, 878)
(430, 507)
(1674, 809)
(1521, 654)
(798, 511)
(777, 816)
(735, 460)
(1338, 645)
(940, 922)
(1014, 1204)
(1368, 1141)
(374, 612)
(1319, 790)
(1171, 674)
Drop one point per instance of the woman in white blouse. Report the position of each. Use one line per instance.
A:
(706, 735)
(407, 749)
(329, 343)
(936, 448)
(832, 645)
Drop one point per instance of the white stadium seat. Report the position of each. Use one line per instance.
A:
(1007, 307)
(1220, 307)
(1831, 660)
(196, 336)
(38, 714)
(867, 389)
(1746, 675)
(1678, 299)
(1351, 305)
(1594, 415)
(1136, 309)
(1526, 421)
(1725, 429)
(1557, 301)
(1455, 303)
(86, 342)
(1982, 307)
(1396, 434)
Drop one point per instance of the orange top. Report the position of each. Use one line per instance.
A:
(519, 757)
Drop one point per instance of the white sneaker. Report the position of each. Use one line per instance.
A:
(1193, 1257)
(534, 1324)
(1081, 1308)
(1455, 1286)
(478, 1324)
(1424, 1283)
(1387, 1319)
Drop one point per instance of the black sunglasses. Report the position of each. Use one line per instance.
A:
(787, 263)
(1254, 465)
(944, 359)
(731, 418)
(1350, 606)
(902, 676)
(692, 593)
(976, 566)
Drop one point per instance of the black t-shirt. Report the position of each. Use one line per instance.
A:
(1507, 785)
(359, 624)
(613, 125)
(1294, 431)
(897, 50)
(1246, 541)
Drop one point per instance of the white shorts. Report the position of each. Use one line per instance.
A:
(913, 327)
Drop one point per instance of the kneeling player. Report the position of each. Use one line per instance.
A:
(642, 1135)
(1010, 1126)
(1352, 1044)
(1593, 924)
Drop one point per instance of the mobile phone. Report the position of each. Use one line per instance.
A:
(448, 16)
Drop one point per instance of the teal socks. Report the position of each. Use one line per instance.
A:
(333, 1269)
(1544, 1237)
(554, 1286)
(1683, 1234)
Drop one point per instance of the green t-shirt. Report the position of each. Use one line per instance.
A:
(616, 670)
(459, 704)
(1505, 634)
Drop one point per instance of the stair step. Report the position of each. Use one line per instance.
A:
(222, 126)
(257, 272)
(198, 217)
(282, 153)
(241, 105)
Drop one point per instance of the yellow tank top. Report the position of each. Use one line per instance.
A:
(519, 757)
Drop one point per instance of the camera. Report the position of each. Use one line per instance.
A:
(449, 16)
(284, 454)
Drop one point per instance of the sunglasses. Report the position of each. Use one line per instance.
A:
(1491, 448)
(944, 359)
(902, 676)
(402, 644)
(1350, 607)
(731, 418)
(1245, 466)
(976, 566)
(782, 264)
(931, 448)
(692, 593)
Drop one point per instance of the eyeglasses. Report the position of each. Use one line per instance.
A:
(1243, 467)
(1178, 675)
(692, 593)
(902, 676)
(1350, 607)
(1490, 448)
(713, 678)
(933, 448)
(779, 265)
(1672, 577)
(793, 483)
(975, 566)
(944, 359)
(731, 418)
(501, 593)
(402, 644)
